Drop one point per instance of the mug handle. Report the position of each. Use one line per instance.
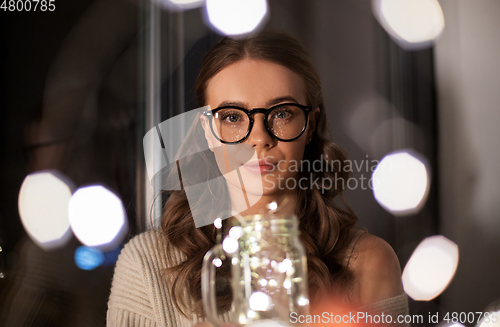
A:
(208, 284)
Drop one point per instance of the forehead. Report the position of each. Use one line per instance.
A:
(254, 83)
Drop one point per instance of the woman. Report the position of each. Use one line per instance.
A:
(268, 79)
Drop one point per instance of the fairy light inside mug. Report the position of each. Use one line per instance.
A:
(284, 265)
(236, 232)
(272, 206)
(217, 262)
(259, 301)
(303, 301)
(230, 245)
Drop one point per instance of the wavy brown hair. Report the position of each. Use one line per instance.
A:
(324, 224)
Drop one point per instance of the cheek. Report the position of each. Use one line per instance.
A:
(295, 152)
(210, 138)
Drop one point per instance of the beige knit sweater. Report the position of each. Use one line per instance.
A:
(140, 297)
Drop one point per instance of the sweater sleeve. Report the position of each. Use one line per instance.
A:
(140, 294)
(129, 303)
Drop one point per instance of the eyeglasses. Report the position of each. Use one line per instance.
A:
(285, 122)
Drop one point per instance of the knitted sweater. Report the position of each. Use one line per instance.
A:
(140, 297)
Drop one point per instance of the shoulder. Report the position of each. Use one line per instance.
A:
(142, 242)
(376, 270)
(139, 266)
(150, 249)
(139, 247)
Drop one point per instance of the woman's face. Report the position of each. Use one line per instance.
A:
(262, 84)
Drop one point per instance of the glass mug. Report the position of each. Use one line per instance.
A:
(269, 272)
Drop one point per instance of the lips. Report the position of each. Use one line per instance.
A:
(260, 166)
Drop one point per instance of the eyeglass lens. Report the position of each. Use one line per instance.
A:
(285, 122)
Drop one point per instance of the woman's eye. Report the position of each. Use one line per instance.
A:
(231, 118)
(282, 114)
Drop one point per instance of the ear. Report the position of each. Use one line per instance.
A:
(205, 124)
(313, 119)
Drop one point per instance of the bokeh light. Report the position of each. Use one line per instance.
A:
(383, 138)
(43, 208)
(303, 301)
(177, 5)
(230, 245)
(284, 265)
(259, 301)
(430, 268)
(374, 124)
(97, 217)
(413, 24)
(88, 258)
(217, 262)
(362, 122)
(236, 17)
(401, 183)
(236, 232)
(272, 206)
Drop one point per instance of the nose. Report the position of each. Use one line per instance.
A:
(259, 136)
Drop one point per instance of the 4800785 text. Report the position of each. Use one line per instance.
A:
(28, 5)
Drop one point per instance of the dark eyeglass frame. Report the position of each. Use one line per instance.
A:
(305, 109)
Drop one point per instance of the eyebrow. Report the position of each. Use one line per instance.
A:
(287, 98)
(270, 103)
(232, 104)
